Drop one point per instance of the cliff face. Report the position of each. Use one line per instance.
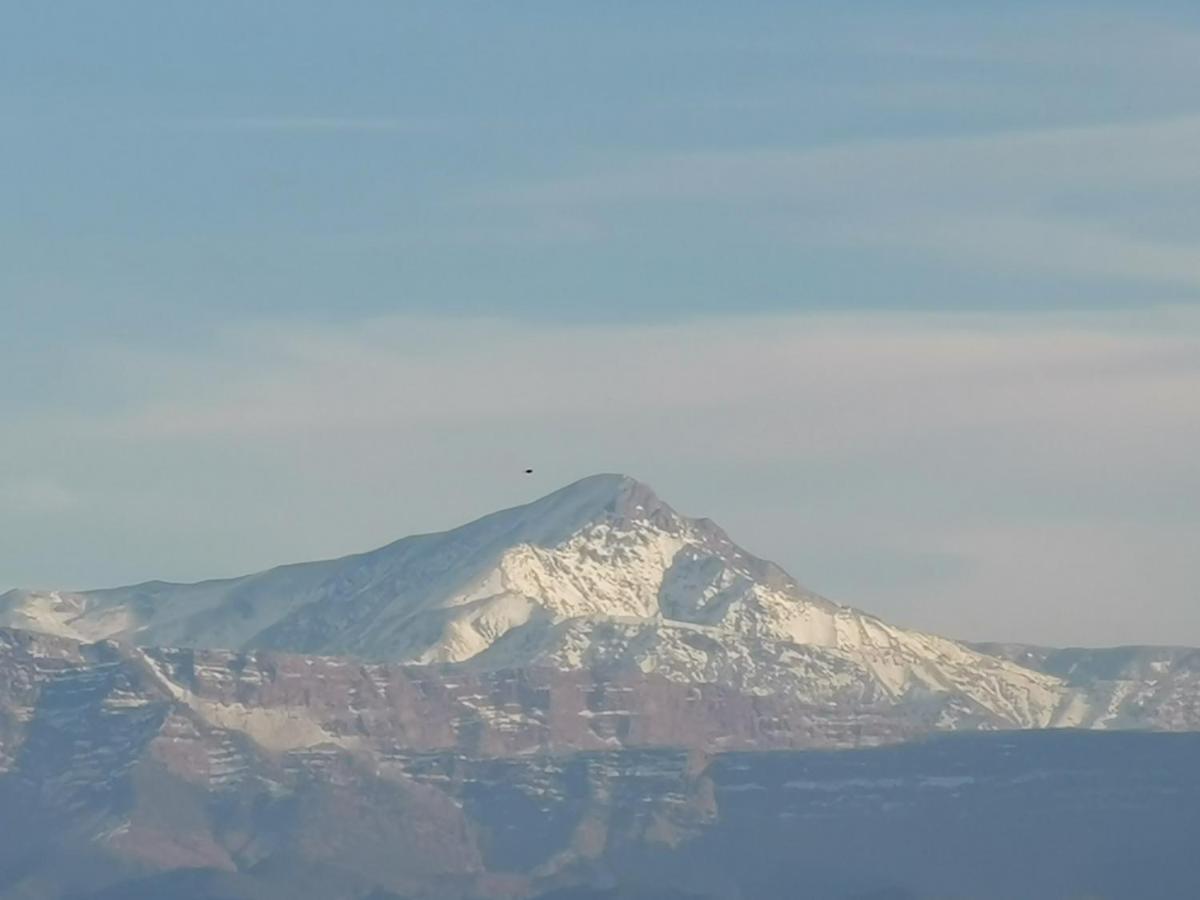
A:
(202, 774)
(162, 701)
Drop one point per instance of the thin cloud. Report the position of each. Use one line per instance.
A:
(38, 496)
(1048, 244)
(814, 438)
(311, 124)
(911, 378)
(988, 166)
(997, 201)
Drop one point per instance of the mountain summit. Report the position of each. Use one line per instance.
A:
(601, 575)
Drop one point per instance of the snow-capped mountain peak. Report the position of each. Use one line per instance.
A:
(601, 574)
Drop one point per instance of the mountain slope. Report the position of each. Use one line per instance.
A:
(134, 772)
(1122, 687)
(601, 575)
(143, 773)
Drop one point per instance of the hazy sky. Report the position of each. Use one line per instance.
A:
(906, 296)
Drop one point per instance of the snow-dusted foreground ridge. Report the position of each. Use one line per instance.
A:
(604, 576)
(132, 772)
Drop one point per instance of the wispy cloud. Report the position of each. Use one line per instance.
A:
(782, 388)
(310, 124)
(1050, 244)
(986, 166)
(834, 442)
(1108, 42)
(37, 496)
(1078, 202)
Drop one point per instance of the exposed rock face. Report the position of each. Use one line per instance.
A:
(135, 773)
(283, 703)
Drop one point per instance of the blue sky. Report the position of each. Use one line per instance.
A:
(904, 295)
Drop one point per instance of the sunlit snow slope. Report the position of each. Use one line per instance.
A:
(599, 575)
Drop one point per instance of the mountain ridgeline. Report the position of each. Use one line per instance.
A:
(604, 576)
(573, 698)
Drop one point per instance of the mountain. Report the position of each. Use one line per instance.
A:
(591, 696)
(601, 576)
